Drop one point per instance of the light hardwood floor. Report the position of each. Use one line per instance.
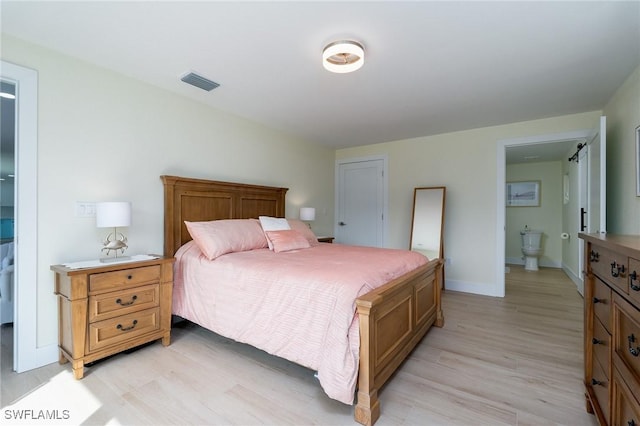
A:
(511, 361)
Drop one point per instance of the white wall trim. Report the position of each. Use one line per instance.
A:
(483, 289)
(542, 262)
(385, 189)
(26, 354)
(575, 278)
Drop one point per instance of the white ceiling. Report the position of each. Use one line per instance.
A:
(430, 68)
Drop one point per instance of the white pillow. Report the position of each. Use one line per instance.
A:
(273, 224)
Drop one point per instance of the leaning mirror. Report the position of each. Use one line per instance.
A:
(428, 221)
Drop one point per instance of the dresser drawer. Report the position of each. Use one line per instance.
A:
(610, 266)
(601, 344)
(109, 281)
(602, 303)
(113, 304)
(634, 281)
(601, 385)
(117, 330)
(626, 335)
(626, 410)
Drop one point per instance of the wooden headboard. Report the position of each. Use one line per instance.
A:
(197, 200)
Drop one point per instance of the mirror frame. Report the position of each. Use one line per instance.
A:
(413, 216)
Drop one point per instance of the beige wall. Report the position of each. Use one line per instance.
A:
(465, 162)
(547, 217)
(623, 116)
(103, 136)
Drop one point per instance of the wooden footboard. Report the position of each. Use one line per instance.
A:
(393, 319)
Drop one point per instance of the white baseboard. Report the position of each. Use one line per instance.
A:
(545, 263)
(575, 278)
(469, 287)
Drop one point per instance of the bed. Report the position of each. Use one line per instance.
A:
(391, 319)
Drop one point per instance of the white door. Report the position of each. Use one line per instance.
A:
(593, 189)
(360, 202)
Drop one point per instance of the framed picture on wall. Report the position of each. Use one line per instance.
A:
(523, 194)
(638, 161)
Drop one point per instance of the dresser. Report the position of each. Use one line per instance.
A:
(612, 328)
(109, 308)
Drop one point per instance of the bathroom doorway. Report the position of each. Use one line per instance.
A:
(571, 218)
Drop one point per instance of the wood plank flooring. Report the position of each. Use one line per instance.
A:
(497, 361)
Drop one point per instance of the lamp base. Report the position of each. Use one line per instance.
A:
(115, 259)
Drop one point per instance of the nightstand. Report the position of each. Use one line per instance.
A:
(108, 308)
(326, 239)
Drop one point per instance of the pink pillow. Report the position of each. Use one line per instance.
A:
(303, 228)
(287, 240)
(219, 237)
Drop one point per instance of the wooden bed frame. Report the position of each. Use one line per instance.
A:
(393, 318)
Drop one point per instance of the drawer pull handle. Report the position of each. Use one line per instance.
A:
(595, 382)
(633, 277)
(616, 269)
(596, 341)
(121, 328)
(594, 256)
(634, 351)
(121, 303)
(596, 300)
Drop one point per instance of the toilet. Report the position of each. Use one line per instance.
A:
(531, 248)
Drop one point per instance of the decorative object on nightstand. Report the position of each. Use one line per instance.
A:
(326, 239)
(114, 214)
(307, 214)
(106, 309)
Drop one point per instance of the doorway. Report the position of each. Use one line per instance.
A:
(26, 353)
(503, 146)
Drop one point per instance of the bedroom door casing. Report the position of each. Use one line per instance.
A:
(361, 201)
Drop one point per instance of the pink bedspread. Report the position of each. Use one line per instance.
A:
(298, 305)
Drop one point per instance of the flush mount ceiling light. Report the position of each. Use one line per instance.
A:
(343, 56)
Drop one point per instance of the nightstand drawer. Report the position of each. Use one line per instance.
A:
(109, 305)
(116, 330)
(108, 281)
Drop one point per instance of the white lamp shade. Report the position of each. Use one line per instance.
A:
(307, 213)
(113, 214)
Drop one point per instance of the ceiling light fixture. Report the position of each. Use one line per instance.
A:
(343, 56)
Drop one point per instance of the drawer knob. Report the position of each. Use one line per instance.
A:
(121, 303)
(596, 300)
(616, 269)
(596, 341)
(594, 256)
(121, 328)
(595, 382)
(634, 277)
(634, 351)
(129, 277)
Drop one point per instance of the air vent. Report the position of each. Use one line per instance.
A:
(199, 81)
